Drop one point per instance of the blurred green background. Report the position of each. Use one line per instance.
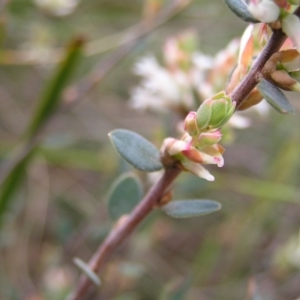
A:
(248, 250)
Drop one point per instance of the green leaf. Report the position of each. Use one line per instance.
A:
(12, 179)
(50, 99)
(275, 96)
(136, 150)
(190, 208)
(124, 194)
(239, 8)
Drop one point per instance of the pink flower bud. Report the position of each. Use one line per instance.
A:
(177, 146)
(190, 123)
(209, 138)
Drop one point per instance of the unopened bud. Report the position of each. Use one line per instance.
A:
(285, 81)
(252, 99)
(215, 112)
(190, 123)
(209, 138)
(204, 114)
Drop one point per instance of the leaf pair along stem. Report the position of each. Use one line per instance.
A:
(122, 230)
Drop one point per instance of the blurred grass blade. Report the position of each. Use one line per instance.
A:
(48, 104)
(50, 99)
(13, 178)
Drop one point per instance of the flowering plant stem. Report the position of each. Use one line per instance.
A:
(123, 229)
(250, 81)
(151, 200)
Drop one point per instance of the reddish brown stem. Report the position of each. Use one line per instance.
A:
(121, 232)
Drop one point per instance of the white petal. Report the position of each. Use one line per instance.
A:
(291, 26)
(198, 170)
(178, 146)
(240, 122)
(265, 11)
(146, 66)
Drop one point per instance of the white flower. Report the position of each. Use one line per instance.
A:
(191, 158)
(238, 121)
(202, 61)
(197, 169)
(266, 11)
(160, 88)
(291, 27)
(57, 7)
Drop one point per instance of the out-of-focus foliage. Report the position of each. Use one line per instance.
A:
(59, 211)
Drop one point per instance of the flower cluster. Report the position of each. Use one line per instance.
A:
(199, 145)
(278, 14)
(176, 83)
(185, 78)
(282, 69)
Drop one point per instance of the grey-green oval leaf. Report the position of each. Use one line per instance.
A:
(136, 150)
(275, 96)
(124, 194)
(190, 208)
(239, 8)
(86, 269)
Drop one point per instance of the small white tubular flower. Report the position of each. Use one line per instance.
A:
(291, 27)
(202, 64)
(202, 61)
(192, 159)
(239, 121)
(57, 7)
(225, 57)
(141, 99)
(159, 90)
(178, 146)
(197, 169)
(266, 11)
(147, 66)
(215, 154)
